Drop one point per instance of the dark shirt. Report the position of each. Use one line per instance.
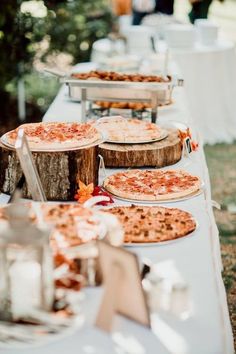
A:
(199, 10)
(163, 6)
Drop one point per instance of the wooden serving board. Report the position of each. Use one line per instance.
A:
(58, 171)
(158, 154)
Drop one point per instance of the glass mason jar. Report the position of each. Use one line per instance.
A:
(26, 266)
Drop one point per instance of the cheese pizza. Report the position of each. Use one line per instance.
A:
(148, 224)
(152, 185)
(122, 130)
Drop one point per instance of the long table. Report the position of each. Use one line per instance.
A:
(208, 329)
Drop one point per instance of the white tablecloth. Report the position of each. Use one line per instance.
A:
(208, 330)
(210, 81)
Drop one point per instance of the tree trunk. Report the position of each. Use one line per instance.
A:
(58, 171)
(158, 154)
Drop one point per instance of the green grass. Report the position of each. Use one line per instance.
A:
(221, 161)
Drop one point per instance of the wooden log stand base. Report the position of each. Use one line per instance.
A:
(58, 171)
(158, 154)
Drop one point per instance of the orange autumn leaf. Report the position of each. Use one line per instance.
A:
(187, 134)
(84, 192)
(89, 188)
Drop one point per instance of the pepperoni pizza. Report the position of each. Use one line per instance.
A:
(152, 185)
(53, 136)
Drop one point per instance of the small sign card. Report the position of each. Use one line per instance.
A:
(29, 168)
(123, 292)
(188, 145)
(187, 148)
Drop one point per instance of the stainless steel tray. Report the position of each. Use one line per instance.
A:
(102, 90)
(154, 93)
(121, 94)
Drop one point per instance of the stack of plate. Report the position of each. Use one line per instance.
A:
(180, 36)
(207, 31)
(123, 62)
(158, 22)
(139, 39)
(105, 48)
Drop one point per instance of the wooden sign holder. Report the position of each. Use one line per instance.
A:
(29, 168)
(123, 292)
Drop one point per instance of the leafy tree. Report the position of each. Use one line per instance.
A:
(67, 26)
(73, 26)
(17, 33)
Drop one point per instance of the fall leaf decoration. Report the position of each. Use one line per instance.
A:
(99, 191)
(194, 145)
(86, 192)
(187, 134)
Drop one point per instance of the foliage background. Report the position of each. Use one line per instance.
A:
(32, 32)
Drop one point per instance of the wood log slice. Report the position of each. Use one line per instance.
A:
(158, 154)
(58, 171)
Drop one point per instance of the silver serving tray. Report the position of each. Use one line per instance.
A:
(156, 93)
(102, 90)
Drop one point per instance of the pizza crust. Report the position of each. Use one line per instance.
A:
(151, 196)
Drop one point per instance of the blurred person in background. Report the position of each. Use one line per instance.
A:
(141, 8)
(200, 9)
(122, 7)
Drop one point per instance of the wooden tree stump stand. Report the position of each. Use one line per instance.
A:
(58, 171)
(158, 154)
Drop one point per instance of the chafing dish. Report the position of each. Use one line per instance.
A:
(155, 93)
